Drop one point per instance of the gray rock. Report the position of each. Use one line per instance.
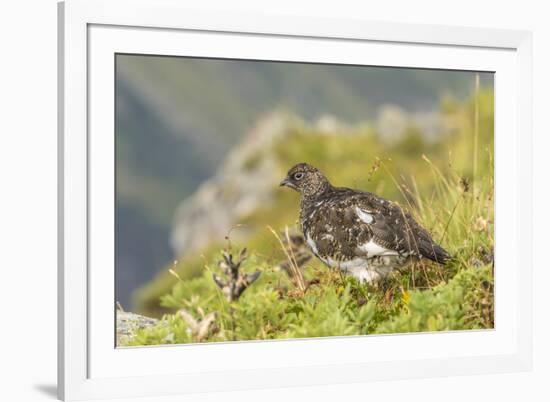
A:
(127, 324)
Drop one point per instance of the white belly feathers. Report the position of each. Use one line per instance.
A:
(374, 250)
(375, 264)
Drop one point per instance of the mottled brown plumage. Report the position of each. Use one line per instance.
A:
(356, 231)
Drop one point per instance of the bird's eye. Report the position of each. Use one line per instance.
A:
(298, 176)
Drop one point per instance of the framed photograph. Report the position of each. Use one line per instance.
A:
(255, 201)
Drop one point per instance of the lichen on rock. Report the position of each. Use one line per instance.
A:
(127, 324)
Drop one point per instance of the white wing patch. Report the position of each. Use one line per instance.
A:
(364, 215)
(372, 249)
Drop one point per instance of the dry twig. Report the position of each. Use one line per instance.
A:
(237, 282)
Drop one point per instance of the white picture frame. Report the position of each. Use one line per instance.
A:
(91, 32)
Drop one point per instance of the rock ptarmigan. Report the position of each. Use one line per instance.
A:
(358, 232)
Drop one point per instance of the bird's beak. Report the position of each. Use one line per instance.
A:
(286, 183)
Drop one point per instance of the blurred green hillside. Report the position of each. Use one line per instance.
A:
(177, 118)
(445, 181)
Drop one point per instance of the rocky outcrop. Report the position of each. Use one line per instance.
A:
(246, 179)
(127, 324)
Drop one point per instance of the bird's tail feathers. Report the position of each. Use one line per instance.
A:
(436, 253)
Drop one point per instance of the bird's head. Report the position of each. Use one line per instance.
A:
(306, 179)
